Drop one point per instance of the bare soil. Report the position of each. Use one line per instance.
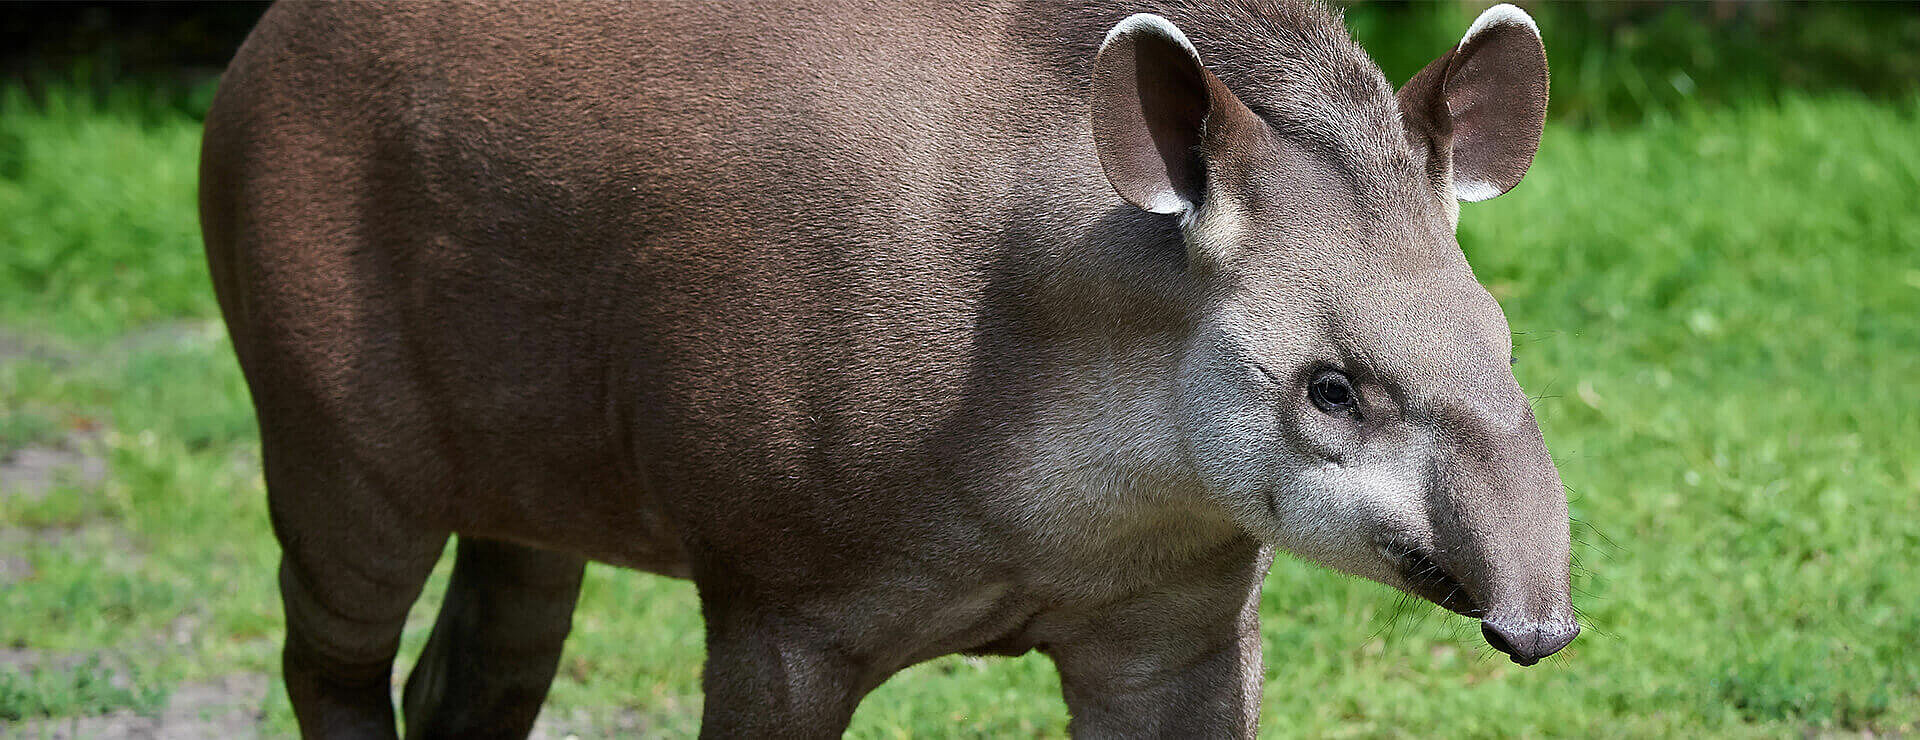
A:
(229, 707)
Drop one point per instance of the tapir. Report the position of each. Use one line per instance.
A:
(901, 329)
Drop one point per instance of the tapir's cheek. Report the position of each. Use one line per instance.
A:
(1320, 517)
(1233, 431)
(1386, 493)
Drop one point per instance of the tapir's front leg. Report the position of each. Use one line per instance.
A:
(1183, 661)
(773, 677)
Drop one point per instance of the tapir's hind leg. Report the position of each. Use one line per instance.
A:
(486, 669)
(350, 567)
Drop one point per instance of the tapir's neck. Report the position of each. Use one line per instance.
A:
(1102, 437)
(1100, 465)
(1108, 305)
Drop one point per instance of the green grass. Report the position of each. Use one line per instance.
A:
(1719, 312)
(96, 213)
(84, 688)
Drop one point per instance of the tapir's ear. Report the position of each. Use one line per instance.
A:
(1153, 107)
(1480, 107)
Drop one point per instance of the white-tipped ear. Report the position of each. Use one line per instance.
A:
(1480, 107)
(1154, 24)
(1503, 13)
(1474, 191)
(1150, 101)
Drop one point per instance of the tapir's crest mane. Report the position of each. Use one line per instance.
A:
(1296, 66)
(1293, 63)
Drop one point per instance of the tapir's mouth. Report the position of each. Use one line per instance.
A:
(1428, 579)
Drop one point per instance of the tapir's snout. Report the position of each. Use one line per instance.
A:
(1500, 525)
(1503, 616)
(1528, 641)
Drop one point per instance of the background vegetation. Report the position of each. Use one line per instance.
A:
(1713, 271)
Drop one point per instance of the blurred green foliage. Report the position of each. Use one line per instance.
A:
(84, 175)
(1615, 63)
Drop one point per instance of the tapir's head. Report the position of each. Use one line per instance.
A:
(1347, 390)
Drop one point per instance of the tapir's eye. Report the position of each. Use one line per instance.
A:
(1332, 393)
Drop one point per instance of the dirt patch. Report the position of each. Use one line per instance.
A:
(228, 707)
(15, 345)
(16, 541)
(234, 707)
(169, 336)
(75, 465)
(40, 349)
(32, 471)
(14, 567)
(580, 723)
(58, 353)
(28, 660)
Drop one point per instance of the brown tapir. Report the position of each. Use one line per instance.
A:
(902, 329)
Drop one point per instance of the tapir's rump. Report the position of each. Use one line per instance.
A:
(902, 329)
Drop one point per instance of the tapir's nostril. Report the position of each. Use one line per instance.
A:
(1496, 637)
(1528, 642)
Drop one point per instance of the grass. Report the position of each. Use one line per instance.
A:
(1719, 312)
(84, 688)
(98, 220)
